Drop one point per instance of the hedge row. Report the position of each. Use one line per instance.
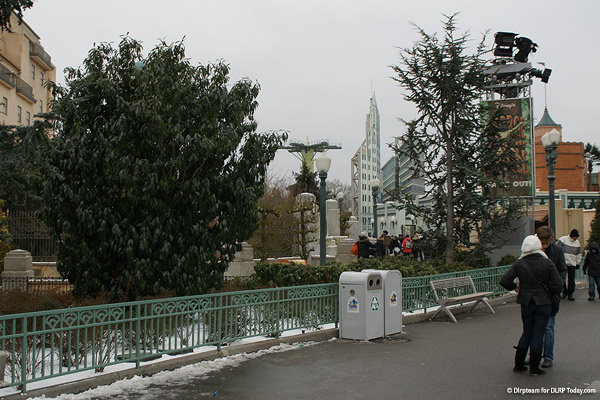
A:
(276, 274)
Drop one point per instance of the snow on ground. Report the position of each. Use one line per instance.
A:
(139, 384)
(124, 366)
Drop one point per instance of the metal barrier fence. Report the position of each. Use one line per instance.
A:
(35, 285)
(47, 344)
(30, 233)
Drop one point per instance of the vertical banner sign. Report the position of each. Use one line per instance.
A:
(517, 114)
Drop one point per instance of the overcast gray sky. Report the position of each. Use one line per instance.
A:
(318, 61)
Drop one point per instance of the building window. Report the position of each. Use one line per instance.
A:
(4, 106)
(27, 118)
(19, 111)
(33, 71)
(41, 106)
(42, 78)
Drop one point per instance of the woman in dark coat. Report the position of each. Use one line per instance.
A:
(591, 266)
(532, 267)
(364, 245)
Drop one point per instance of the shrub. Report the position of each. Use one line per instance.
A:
(4, 235)
(507, 259)
(276, 274)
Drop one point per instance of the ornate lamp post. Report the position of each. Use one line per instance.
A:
(323, 163)
(550, 142)
(375, 188)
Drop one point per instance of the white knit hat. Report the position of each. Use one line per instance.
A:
(531, 245)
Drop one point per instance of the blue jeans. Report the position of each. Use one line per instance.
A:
(594, 282)
(549, 339)
(535, 320)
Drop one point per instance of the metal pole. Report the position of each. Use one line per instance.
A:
(550, 160)
(375, 213)
(323, 212)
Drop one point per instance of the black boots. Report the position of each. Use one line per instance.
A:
(520, 360)
(534, 364)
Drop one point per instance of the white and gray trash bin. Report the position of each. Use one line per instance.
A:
(361, 308)
(392, 300)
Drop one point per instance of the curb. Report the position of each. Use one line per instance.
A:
(168, 365)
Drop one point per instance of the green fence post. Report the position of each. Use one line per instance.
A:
(278, 316)
(219, 323)
(24, 357)
(336, 305)
(137, 335)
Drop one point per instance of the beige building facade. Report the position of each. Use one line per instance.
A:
(25, 69)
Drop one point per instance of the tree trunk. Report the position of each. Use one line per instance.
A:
(589, 177)
(263, 238)
(449, 202)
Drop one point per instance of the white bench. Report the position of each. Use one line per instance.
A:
(457, 291)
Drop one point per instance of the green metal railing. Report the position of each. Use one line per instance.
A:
(52, 343)
(47, 344)
(417, 294)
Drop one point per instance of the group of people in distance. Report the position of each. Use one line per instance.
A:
(546, 268)
(387, 245)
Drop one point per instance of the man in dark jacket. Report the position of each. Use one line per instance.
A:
(395, 246)
(555, 254)
(532, 268)
(382, 244)
(364, 245)
(591, 266)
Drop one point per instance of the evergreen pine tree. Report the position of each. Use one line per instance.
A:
(595, 226)
(457, 155)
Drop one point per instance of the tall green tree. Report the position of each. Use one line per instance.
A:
(7, 7)
(305, 182)
(24, 153)
(595, 226)
(5, 237)
(458, 156)
(591, 153)
(156, 172)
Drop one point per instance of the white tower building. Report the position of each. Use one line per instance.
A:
(366, 166)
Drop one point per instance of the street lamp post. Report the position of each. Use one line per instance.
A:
(550, 143)
(375, 187)
(393, 223)
(323, 163)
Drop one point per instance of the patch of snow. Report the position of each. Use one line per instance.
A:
(139, 384)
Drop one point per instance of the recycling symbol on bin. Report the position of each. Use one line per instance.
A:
(374, 304)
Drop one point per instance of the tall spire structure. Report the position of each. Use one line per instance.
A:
(366, 166)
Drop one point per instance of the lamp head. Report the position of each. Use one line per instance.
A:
(375, 183)
(323, 163)
(551, 138)
(340, 196)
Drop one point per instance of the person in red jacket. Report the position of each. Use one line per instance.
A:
(407, 245)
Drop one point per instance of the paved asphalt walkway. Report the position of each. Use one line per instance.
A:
(431, 360)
